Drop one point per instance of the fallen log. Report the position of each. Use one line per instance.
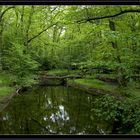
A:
(62, 77)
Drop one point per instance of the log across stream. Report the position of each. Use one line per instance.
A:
(56, 80)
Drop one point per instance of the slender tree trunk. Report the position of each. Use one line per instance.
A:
(22, 24)
(120, 78)
(28, 27)
(133, 29)
(1, 40)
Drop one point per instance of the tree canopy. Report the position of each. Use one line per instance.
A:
(72, 37)
(98, 47)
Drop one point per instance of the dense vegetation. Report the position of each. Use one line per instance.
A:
(101, 42)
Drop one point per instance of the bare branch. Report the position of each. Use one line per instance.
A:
(110, 16)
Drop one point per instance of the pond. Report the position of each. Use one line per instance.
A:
(50, 110)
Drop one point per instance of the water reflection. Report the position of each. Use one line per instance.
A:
(49, 110)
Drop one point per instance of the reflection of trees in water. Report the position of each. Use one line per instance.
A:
(50, 110)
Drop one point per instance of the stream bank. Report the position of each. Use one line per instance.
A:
(4, 101)
(91, 85)
(97, 84)
(7, 89)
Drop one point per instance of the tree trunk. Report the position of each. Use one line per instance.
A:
(28, 27)
(2, 13)
(120, 78)
(1, 40)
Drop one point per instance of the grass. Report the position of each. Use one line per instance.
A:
(6, 78)
(130, 91)
(6, 90)
(90, 81)
(5, 84)
(62, 72)
(94, 83)
(108, 76)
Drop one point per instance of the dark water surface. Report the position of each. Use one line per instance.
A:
(49, 110)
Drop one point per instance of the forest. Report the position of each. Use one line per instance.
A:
(92, 49)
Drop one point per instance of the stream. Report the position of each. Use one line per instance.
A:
(50, 110)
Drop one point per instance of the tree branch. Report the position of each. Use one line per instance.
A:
(5, 11)
(40, 33)
(110, 16)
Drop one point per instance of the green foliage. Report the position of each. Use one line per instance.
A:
(20, 64)
(6, 82)
(58, 72)
(126, 113)
(6, 78)
(35, 38)
(57, 43)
